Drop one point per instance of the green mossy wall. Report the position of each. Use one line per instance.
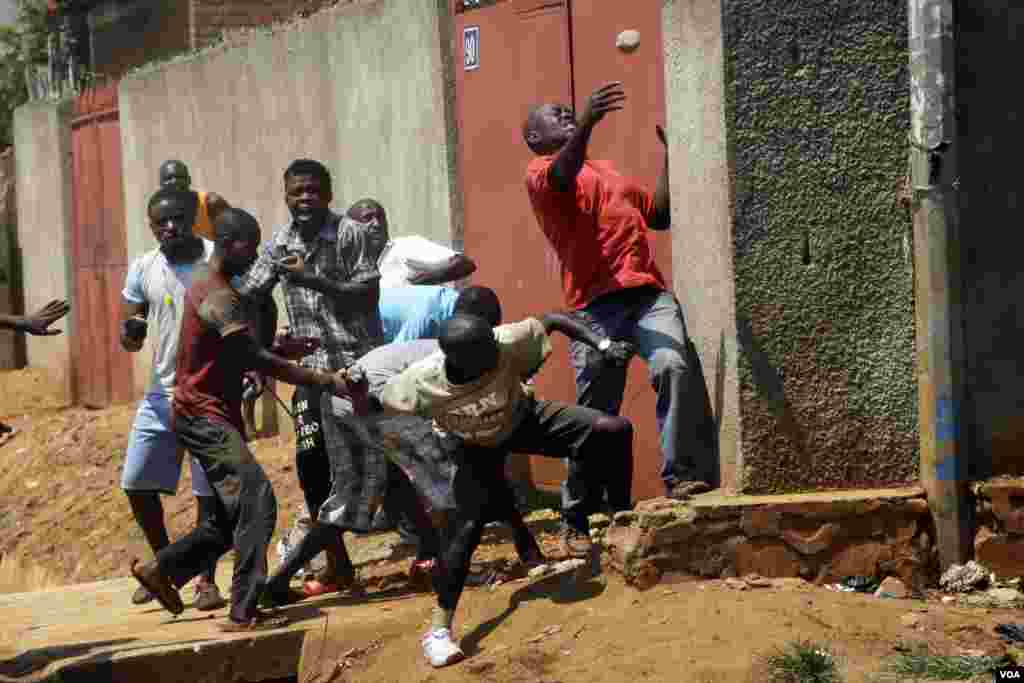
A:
(817, 113)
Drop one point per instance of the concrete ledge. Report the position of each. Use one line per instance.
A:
(822, 537)
(91, 632)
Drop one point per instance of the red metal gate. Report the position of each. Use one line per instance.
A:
(522, 53)
(102, 371)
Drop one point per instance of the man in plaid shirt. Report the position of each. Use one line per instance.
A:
(328, 272)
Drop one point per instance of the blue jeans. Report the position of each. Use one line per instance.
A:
(653, 321)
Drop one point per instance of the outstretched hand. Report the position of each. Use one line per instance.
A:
(39, 322)
(607, 98)
(619, 353)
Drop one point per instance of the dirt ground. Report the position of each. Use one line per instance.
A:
(603, 631)
(62, 510)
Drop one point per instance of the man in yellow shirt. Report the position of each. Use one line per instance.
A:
(174, 174)
(473, 391)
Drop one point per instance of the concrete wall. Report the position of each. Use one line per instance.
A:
(817, 113)
(42, 138)
(991, 201)
(701, 212)
(359, 87)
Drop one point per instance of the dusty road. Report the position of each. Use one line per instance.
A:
(62, 511)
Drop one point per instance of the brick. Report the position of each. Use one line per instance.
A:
(815, 542)
(1000, 553)
(673, 532)
(767, 558)
(856, 559)
(760, 521)
(625, 544)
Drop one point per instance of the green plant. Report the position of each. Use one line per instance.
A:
(924, 666)
(802, 662)
(21, 46)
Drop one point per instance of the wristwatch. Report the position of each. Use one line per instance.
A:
(605, 344)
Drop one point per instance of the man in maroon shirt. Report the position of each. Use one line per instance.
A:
(218, 344)
(597, 222)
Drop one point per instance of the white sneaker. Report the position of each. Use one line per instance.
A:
(439, 648)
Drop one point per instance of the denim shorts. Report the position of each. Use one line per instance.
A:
(153, 461)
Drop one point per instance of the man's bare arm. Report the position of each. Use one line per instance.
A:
(356, 294)
(241, 344)
(567, 164)
(454, 268)
(577, 330)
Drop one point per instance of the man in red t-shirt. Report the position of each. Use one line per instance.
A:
(218, 344)
(597, 220)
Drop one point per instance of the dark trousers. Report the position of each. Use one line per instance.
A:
(323, 536)
(244, 518)
(482, 495)
(653, 321)
(402, 503)
(312, 465)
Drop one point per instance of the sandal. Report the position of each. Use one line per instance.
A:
(261, 621)
(157, 584)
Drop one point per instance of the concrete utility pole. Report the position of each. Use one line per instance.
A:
(940, 364)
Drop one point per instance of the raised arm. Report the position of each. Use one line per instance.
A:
(455, 267)
(569, 160)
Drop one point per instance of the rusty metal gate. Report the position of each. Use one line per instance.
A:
(509, 56)
(102, 371)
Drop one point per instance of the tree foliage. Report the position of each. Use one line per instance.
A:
(21, 46)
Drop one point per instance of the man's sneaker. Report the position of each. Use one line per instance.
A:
(439, 648)
(141, 596)
(576, 543)
(208, 597)
(685, 489)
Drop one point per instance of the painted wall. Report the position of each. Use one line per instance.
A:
(991, 200)
(42, 138)
(817, 113)
(359, 87)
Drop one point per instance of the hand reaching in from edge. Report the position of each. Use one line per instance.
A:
(38, 323)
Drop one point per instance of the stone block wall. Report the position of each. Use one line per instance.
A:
(210, 18)
(821, 541)
(999, 539)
